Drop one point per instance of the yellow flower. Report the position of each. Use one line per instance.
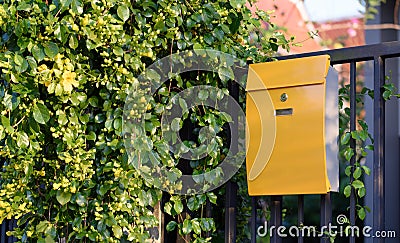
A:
(42, 67)
(68, 80)
(56, 186)
(29, 233)
(22, 206)
(47, 83)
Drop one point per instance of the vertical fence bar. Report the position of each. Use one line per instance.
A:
(231, 187)
(300, 215)
(230, 212)
(10, 224)
(379, 144)
(253, 222)
(276, 217)
(3, 232)
(326, 215)
(208, 214)
(165, 235)
(353, 116)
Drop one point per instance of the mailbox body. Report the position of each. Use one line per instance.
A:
(285, 133)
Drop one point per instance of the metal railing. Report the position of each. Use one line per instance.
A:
(378, 53)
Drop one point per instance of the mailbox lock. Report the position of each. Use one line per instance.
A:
(284, 97)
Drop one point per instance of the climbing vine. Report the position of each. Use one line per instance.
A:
(66, 66)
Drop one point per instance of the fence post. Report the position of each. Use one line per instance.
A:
(276, 218)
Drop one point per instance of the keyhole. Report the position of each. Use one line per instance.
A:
(284, 97)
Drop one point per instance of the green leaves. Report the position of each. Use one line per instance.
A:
(40, 113)
(345, 138)
(176, 124)
(187, 226)
(75, 165)
(50, 49)
(357, 173)
(357, 184)
(348, 153)
(76, 6)
(117, 230)
(63, 197)
(22, 140)
(347, 191)
(171, 225)
(38, 52)
(73, 42)
(123, 12)
(178, 206)
(6, 124)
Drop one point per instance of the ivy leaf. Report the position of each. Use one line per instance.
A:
(357, 173)
(370, 147)
(186, 226)
(22, 139)
(42, 226)
(171, 225)
(225, 73)
(234, 26)
(168, 208)
(76, 6)
(361, 192)
(118, 51)
(345, 138)
(73, 42)
(49, 239)
(386, 95)
(81, 200)
(178, 206)
(361, 213)
(6, 123)
(196, 227)
(175, 124)
(117, 230)
(347, 191)
(348, 153)
(203, 94)
(63, 197)
(192, 204)
(51, 49)
(91, 136)
(32, 62)
(38, 53)
(123, 12)
(183, 105)
(205, 224)
(40, 113)
(212, 197)
(18, 59)
(65, 3)
(366, 169)
(357, 184)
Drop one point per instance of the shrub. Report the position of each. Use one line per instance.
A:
(65, 68)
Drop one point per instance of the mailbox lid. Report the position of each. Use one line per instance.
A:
(288, 73)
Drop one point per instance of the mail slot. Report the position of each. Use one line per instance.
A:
(292, 127)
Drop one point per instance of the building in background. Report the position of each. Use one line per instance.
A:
(316, 24)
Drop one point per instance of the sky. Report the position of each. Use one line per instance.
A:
(329, 10)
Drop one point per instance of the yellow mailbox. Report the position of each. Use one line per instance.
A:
(286, 137)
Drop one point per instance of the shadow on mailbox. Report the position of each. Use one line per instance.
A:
(292, 127)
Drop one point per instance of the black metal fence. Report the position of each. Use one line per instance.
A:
(377, 53)
(7, 225)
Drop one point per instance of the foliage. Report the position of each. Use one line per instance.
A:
(371, 7)
(65, 68)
